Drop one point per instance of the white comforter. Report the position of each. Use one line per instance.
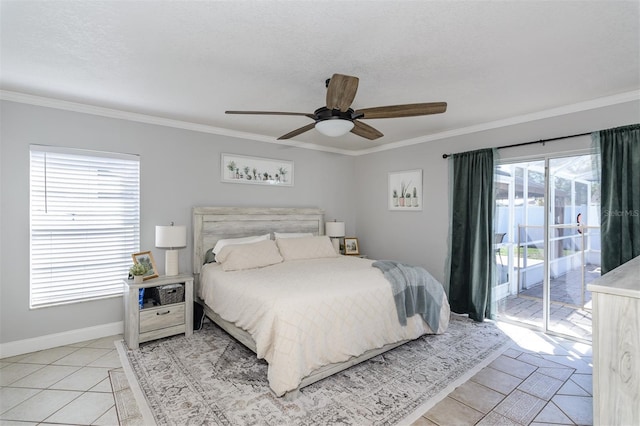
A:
(304, 314)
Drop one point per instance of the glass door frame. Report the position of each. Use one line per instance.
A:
(546, 299)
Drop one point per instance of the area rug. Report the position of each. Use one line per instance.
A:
(126, 407)
(210, 378)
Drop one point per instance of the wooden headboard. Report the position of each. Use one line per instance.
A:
(211, 224)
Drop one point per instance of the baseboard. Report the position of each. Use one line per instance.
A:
(49, 341)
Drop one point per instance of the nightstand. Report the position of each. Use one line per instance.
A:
(155, 322)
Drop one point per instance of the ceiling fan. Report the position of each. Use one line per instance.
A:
(338, 118)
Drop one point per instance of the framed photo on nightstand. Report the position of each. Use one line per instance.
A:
(351, 246)
(146, 258)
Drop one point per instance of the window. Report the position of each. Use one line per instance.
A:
(85, 223)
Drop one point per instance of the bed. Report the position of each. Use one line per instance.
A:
(340, 314)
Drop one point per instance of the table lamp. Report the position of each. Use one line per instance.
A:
(171, 238)
(335, 230)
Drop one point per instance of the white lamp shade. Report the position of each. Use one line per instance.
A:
(171, 236)
(335, 127)
(334, 229)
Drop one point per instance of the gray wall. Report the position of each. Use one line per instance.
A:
(420, 238)
(179, 169)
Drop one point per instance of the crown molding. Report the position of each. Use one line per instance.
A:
(160, 121)
(621, 98)
(179, 124)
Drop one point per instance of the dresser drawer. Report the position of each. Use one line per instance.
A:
(161, 317)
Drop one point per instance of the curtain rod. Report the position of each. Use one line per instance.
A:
(532, 142)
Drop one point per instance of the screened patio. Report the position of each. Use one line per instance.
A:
(571, 257)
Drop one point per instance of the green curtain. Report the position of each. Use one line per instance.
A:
(471, 256)
(620, 196)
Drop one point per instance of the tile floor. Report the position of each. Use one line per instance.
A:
(570, 310)
(563, 319)
(65, 385)
(540, 380)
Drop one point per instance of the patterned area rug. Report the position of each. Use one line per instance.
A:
(126, 407)
(210, 378)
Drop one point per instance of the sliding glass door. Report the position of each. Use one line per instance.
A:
(520, 204)
(574, 243)
(548, 211)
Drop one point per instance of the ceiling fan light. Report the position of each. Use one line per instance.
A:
(335, 127)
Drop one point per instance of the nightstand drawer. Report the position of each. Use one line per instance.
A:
(156, 322)
(161, 317)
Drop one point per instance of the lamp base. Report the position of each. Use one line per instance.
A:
(336, 244)
(171, 262)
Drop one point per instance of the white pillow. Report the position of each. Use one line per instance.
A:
(306, 248)
(280, 235)
(243, 240)
(236, 257)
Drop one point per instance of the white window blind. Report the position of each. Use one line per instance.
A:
(85, 223)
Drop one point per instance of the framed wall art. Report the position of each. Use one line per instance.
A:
(146, 258)
(256, 170)
(405, 190)
(351, 246)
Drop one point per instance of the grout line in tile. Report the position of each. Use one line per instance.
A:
(60, 408)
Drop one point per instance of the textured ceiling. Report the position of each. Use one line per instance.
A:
(191, 61)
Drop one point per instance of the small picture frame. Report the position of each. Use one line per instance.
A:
(146, 258)
(351, 246)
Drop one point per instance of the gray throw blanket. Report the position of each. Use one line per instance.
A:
(415, 291)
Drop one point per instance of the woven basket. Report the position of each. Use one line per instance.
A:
(168, 294)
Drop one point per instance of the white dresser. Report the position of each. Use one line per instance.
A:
(616, 346)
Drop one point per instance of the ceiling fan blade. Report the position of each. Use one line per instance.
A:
(407, 110)
(341, 91)
(365, 130)
(298, 131)
(311, 116)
